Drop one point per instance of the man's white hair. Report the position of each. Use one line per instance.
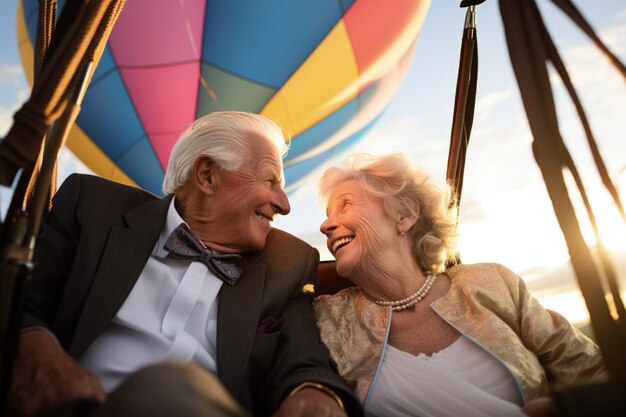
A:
(226, 138)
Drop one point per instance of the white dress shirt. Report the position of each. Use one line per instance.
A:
(170, 315)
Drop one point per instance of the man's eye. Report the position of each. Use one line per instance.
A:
(346, 204)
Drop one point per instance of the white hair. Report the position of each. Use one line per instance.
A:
(404, 189)
(223, 136)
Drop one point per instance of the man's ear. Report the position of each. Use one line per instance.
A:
(204, 173)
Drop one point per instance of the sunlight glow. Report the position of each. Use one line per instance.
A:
(611, 226)
(516, 228)
(570, 304)
(520, 231)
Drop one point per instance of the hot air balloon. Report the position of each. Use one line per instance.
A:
(323, 69)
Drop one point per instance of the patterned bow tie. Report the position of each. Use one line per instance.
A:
(183, 244)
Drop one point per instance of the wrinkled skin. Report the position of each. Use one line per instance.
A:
(231, 211)
(45, 376)
(377, 248)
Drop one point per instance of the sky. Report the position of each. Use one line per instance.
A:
(506, 215)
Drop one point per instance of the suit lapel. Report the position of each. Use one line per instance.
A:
(238, 316)
(125, 254)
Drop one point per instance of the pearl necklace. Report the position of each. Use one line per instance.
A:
(411, 300)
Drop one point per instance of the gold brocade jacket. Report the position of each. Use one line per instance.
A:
(489, 304)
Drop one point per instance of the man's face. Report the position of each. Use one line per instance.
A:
(248, 199)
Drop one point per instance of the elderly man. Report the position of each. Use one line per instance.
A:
(189, 305)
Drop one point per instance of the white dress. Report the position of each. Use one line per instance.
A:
(460, 380)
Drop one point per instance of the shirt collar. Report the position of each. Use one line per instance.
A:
(172, 221)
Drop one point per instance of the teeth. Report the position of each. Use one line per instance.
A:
(341, 242)
(262, 217)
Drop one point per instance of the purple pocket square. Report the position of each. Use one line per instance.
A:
(270, 324)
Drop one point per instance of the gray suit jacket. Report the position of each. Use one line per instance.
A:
(94, 245)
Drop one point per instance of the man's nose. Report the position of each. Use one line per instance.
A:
(280, 202)
(328, 226)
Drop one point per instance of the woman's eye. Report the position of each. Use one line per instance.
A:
(346, 204)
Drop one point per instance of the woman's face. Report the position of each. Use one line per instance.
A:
(358, 230)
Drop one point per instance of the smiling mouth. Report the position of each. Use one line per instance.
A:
(339, 243)
(264, 218)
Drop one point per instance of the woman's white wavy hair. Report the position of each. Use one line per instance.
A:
(223, 136)
(404, 189)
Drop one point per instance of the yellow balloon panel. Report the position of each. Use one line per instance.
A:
(317, 88)
(92, 156)
(24, 45)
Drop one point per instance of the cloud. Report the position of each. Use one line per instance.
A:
(14, 92)
(393, 137)
(11, 75)
(486, 104)
(588, 66)
(615, 37)
(472, 209)
(6, 120)
(558, 289)
(600, 88)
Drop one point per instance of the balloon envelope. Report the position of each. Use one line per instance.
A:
(323, 69)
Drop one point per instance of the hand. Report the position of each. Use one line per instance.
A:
(310, 402)
(540, 407)
(45, 376)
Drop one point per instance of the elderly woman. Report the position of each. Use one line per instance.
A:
(416, 339)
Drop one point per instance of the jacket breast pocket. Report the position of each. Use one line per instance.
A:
(263, 354)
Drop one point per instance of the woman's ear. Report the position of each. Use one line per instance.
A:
(406, 222)
(204, 174)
